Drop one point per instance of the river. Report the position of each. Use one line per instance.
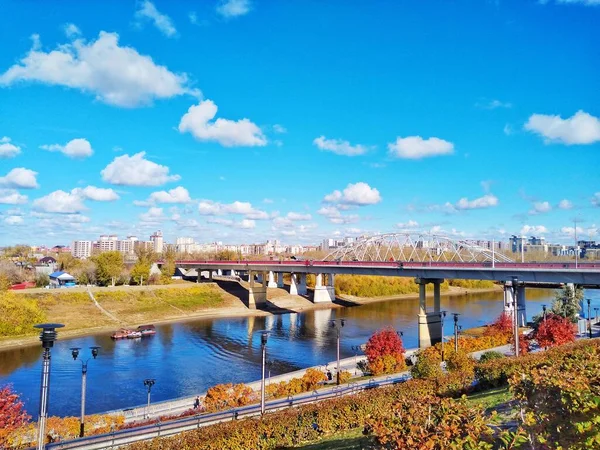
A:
(186, 358)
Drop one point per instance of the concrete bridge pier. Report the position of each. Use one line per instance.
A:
(280, 280)
(324, 293)
(430, 322)
(509, 302)
(257, 293)
(272, 283)
(298, 284)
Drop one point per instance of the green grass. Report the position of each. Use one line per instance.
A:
(350, 440)
(491, 399)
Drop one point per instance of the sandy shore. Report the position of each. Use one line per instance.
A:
(279, 302)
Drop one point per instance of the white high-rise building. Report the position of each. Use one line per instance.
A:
(107, 243)
(157, 241)
(81, 249)
(127, 245)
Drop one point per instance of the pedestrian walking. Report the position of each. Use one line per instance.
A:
(197, 402)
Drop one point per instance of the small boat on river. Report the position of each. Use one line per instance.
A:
(147, 330)
(128, 333)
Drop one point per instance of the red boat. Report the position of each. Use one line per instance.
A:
(122, 333)
(141, 331)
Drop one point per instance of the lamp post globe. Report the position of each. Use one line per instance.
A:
(75, 351)
(338, 324)
(48, 336)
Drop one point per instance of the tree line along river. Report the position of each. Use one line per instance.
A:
(187, 358)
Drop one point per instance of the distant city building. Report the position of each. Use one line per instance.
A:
(127, 246)
(157, 241)
(107, 243)
(81, 249)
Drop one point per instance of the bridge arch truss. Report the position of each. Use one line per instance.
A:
(414, 246)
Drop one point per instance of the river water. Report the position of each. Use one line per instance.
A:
(187, 358)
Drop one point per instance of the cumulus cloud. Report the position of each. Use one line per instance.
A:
(487, 201)
(358, 194)
(233, 8)
(152, 216)
(565, 204)
(540, 208)
(210, 208)
(596, 199)
(534, 229)
(116, 75)
(12, 197)
(76, 148)
(229, 133)
(19, 178)
(581, 128)
(136, 170)
(570, 231)
(339, 147)
(279, 129)
(298, 216)
(8, 150)
(334, 215)
(60, 202)
(13, 220)
(96, 194)
(147, 11)
(415, 147)
(246, 224)
(71, 30)
(176, 195)
(407, 225)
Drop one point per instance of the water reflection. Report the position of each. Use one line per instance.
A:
(188, 357)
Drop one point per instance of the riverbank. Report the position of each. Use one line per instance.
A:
(75, 308)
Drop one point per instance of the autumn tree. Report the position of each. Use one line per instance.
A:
(555, 330)
(385, 352)
(12, 413)
(67, 262)
(109, 266)
(141, 270)
(168, 265)
(503, 325)
(567, 303)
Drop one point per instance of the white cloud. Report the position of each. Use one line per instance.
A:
(233, 8)
(581, 128)
(116, 75)
(540, 208)
(407, 225)
(596, 199)
(339, 147)
(487, 201)
(136, 171)
(220, 221)
(351, 218)
(19, 178)
(176, 195)
(335, 216)
(359, 194)
(246, 224)
(508, 129)
(97, 194)
(279, 129)
(258, 215)
(415, 147)
(60, 202)
(298, 216)
(581, 2)
(13, 220)
(329, 211)
(76, 148)
(147, 11)
(153, 215)
(71, 30)
(570, 231)
(565, 204)
(267, 200)
(534, 229)
(210, 208)
(193, 17)
(228, 133)
(12, 197)
(8, 150)
(493, 104)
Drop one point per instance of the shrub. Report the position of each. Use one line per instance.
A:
(18, 314)
(223, 396)
(553, 331)
(345, 376)
(385, 352)
(309, 382)
(489, 356)
(503, 325)
(427, 366)
(12, 414)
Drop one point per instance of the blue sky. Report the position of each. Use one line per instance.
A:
(243, 120)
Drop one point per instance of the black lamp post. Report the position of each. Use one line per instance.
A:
(75, 354)
(544, 312)
(456, 331)
(589, 317)
(264, 337)
(149, 382)
(48, 336)
(442, 316)
(338, 328)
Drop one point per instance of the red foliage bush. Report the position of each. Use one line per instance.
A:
(502, 325)
(12, 414)
(555, 330)
(385, 352)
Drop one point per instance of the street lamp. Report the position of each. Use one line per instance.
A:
(544, 312)
(596, 315)
(338, 328)
(515, 281)
(48, 336)
(456, 331)
(589, 317)
(75, 354)
(149, 382)
(442, 315)
(264, 336)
